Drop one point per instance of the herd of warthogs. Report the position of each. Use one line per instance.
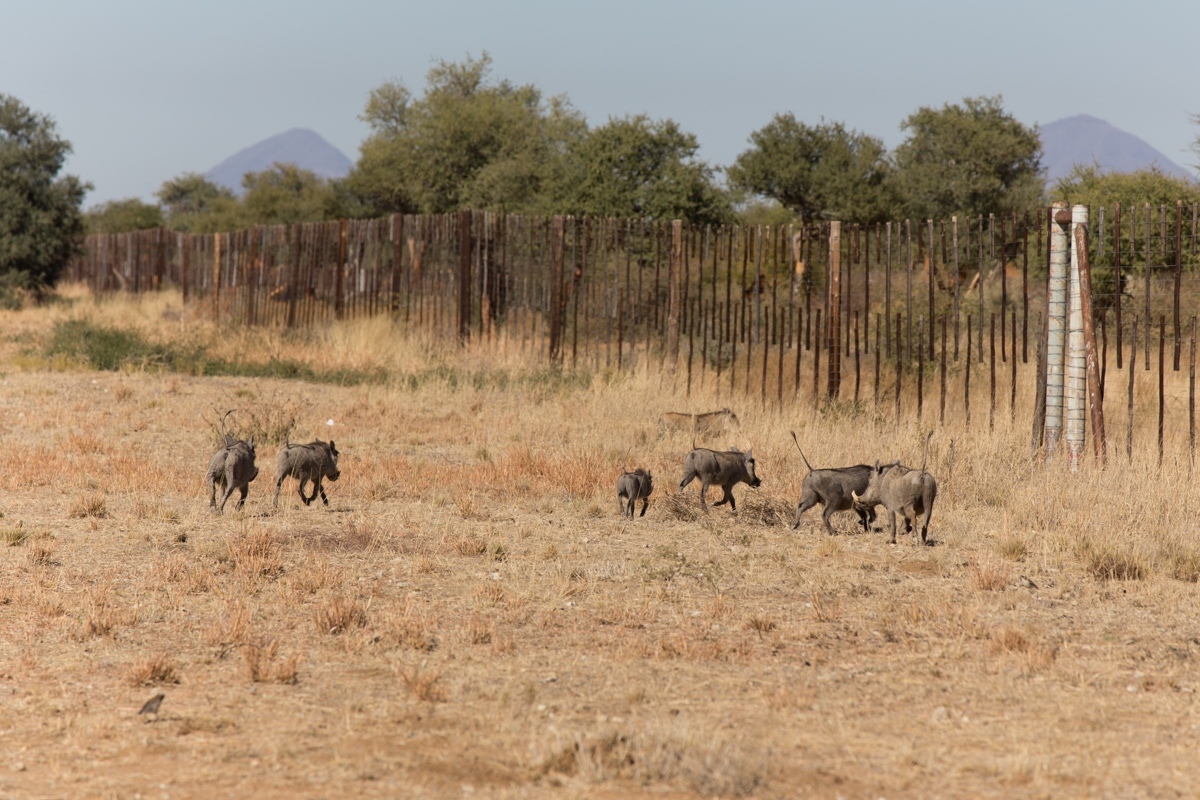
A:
(232, 468)
(859, 488)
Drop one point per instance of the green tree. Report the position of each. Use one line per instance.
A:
(40, 219)
(635, 166)
(1088, 185)
(195, 204)
(120, 216)
(818, 171)
(467, 142)
(974, 158)
(285, 194)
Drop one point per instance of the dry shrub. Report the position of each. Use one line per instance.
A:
(682, 507)
(338, 615)
(479, 630)
(492, 594)
(100, 618)
(1109, 561)
(264, 666)
(89, 506)
(41, 553)
(153, 669)
(989, 577)
(468, 545)
(230, 630)
(412, 627)
(759, 510)
(760, 623)
(706, 763)
(154, 511)
(1182, 560)
(1033, 656)
(46, 602)
(1013, 547)
(14, 537)
(255, 554)
(423, 684)
(826, 606)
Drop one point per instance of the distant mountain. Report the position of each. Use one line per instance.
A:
(300, 146)
(1086, 140)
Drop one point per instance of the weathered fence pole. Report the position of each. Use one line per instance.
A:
(1095, 398)
(1076, 386)
(1056, 316)
(835, 310)
(673, 295)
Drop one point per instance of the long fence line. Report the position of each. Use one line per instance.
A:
(783, 314)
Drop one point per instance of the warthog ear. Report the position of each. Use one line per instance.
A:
(333, 447)
(251, 442)
(750, 454)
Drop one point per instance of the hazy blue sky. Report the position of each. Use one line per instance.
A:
(148, 90)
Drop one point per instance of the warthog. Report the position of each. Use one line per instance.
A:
(709, 424)
(307, 462)
(632, 486)
(231, 467)
(722, 468)
(900, 489)
(834, 489)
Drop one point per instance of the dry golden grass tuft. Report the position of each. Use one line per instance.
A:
(423, 684)
(339, 614)
(263, 664)
(153, 669)
(91, 505)
(990, 576)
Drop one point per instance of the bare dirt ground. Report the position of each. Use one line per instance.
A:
(471, 617)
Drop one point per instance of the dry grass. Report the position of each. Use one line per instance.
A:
(498, 630)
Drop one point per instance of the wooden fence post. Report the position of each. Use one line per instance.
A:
(833, 326)
(673, 294)
(464, 282)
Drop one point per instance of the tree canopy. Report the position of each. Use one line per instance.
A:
(970, 158)
(635, 166)
(284, 194)
(467, 142)
(1088, 185)
(121, 216)
(195, 204)
(40, 218)
(819, 171)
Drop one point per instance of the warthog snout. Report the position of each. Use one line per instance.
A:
(720, 468)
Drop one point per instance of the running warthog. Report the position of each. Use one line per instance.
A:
(900, 489)
(231, 467)
(632, 486)
(834, 489)
(307, 462)
(723, 468)
(708, 424)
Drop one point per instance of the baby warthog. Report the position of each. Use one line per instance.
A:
(632, 486)
(231, 467)
(900, 489)
(834, 489)
(307, 462)
(711, 423)
(722, 468)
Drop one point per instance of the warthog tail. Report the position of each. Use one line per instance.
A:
(797, 441)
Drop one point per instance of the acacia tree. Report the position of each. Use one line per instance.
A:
(635, 166)
(971, 158)
(818, 171)
(40, 219)
(121, 216)
(284, 194)
(467, 142)
(195, 204)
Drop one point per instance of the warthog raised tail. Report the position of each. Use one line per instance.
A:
(632, 486)
(307, 462)
(901, 490)
(723, 468)
(834, 489)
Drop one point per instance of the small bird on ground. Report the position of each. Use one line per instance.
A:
(151, 706)
(1028, 584)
